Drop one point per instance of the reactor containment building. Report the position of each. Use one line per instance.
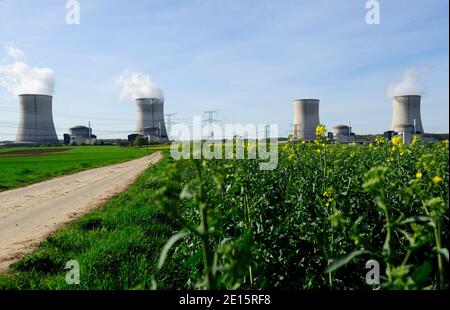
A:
(306, 118)
(36, 120)
(150, 119)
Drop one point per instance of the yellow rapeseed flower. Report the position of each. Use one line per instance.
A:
(437, 180)
(418, 175)
(380, 140)
(397, 140)
(416, 139)
(321, 130)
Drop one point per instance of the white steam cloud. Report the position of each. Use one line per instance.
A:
(20, 78)
(135, 85)
(409, 85)
(15, 53)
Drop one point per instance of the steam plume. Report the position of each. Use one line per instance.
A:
(135, 85)
(409, 85)
(20, 78)
(15, 53)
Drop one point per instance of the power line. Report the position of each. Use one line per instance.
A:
(64, 115)
(13, 125)
(210, 121)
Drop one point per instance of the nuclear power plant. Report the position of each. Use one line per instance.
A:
(36, 120)
(80, 135)
(406, 112)
(150, 119)
(36, 125)
(406, 122)
(306, 118)
(343, 133)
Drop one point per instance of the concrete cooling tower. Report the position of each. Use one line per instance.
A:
(36, 120)
(150, 118)
(406, 111)
(306, 118)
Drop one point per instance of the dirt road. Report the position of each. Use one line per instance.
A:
(29, 214)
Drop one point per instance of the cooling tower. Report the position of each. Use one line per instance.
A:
(36, 120)
(150, 118)
(306, 118)
(406, 111)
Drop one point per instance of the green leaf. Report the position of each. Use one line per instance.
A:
(169, 245)
(421, 274)
(444, 252)
(338, 263)
(416, 219)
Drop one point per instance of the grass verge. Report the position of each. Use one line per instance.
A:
(23, 170)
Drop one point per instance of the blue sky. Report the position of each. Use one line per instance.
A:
(249, 59)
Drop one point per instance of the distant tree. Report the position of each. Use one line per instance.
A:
(123, 143)
(140, 141)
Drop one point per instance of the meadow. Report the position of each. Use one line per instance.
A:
(312, 223)
(18, 169)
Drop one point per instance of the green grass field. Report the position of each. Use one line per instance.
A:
(22, 170)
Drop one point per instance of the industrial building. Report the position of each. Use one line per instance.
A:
(406, 131)
(343, 134)
(150, 119)
(306, 118)
(132, 137)
(406, 121)
(79, 135)
(36, 125)
(36, 120)
(406, 111)
(406, 118)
